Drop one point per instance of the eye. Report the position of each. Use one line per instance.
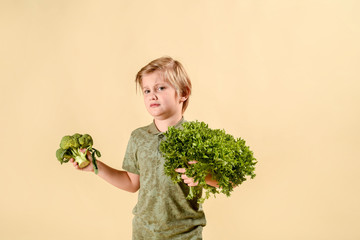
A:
(161, 88)
(146, 91)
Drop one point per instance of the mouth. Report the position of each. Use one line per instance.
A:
(154, 105)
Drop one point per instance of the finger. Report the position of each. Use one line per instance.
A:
(180, 170)
(192, 162)
(188, 181)
(193, 184)
(76, 165)
(183, 176)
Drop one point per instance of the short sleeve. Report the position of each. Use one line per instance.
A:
(130, 162)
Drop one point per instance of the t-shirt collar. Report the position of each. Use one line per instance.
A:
(153, 129)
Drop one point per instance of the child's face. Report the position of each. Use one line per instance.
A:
(160, 97)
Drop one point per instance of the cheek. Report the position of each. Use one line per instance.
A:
(177, 98)
(146, 99)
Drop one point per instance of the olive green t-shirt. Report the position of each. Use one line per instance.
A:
(162, 211)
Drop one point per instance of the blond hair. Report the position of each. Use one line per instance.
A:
(173, 72)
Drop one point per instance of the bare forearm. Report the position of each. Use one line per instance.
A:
(117, 178)
(210, 181)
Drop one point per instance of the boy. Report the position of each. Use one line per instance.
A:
(162, 211)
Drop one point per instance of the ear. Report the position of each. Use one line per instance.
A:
(185, 95)
(183, 99)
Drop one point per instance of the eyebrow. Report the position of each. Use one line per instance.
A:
(157, 84)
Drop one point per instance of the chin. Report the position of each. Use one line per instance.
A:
(155, 113)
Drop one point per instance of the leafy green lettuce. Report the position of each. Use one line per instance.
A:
(227, 159)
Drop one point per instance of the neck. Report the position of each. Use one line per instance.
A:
(163, 124)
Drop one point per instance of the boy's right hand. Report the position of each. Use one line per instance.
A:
(88, 168)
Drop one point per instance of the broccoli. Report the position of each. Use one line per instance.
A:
(73, 147)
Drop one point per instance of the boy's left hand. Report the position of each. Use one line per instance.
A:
(188, 180)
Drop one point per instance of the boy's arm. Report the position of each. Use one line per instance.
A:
(121, 179)
(210, 181)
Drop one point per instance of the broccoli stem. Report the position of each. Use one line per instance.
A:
(80, 158)
(82, 162)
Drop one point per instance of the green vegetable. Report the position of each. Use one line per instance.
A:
(77, 146)
(227, 159)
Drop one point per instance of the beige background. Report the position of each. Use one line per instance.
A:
(284, 75)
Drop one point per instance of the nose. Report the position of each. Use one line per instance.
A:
(153, 96)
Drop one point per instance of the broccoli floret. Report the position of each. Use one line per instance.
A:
(60, 155)
(77, 135)
(69, 142)
(77, 146)
(86, 141)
